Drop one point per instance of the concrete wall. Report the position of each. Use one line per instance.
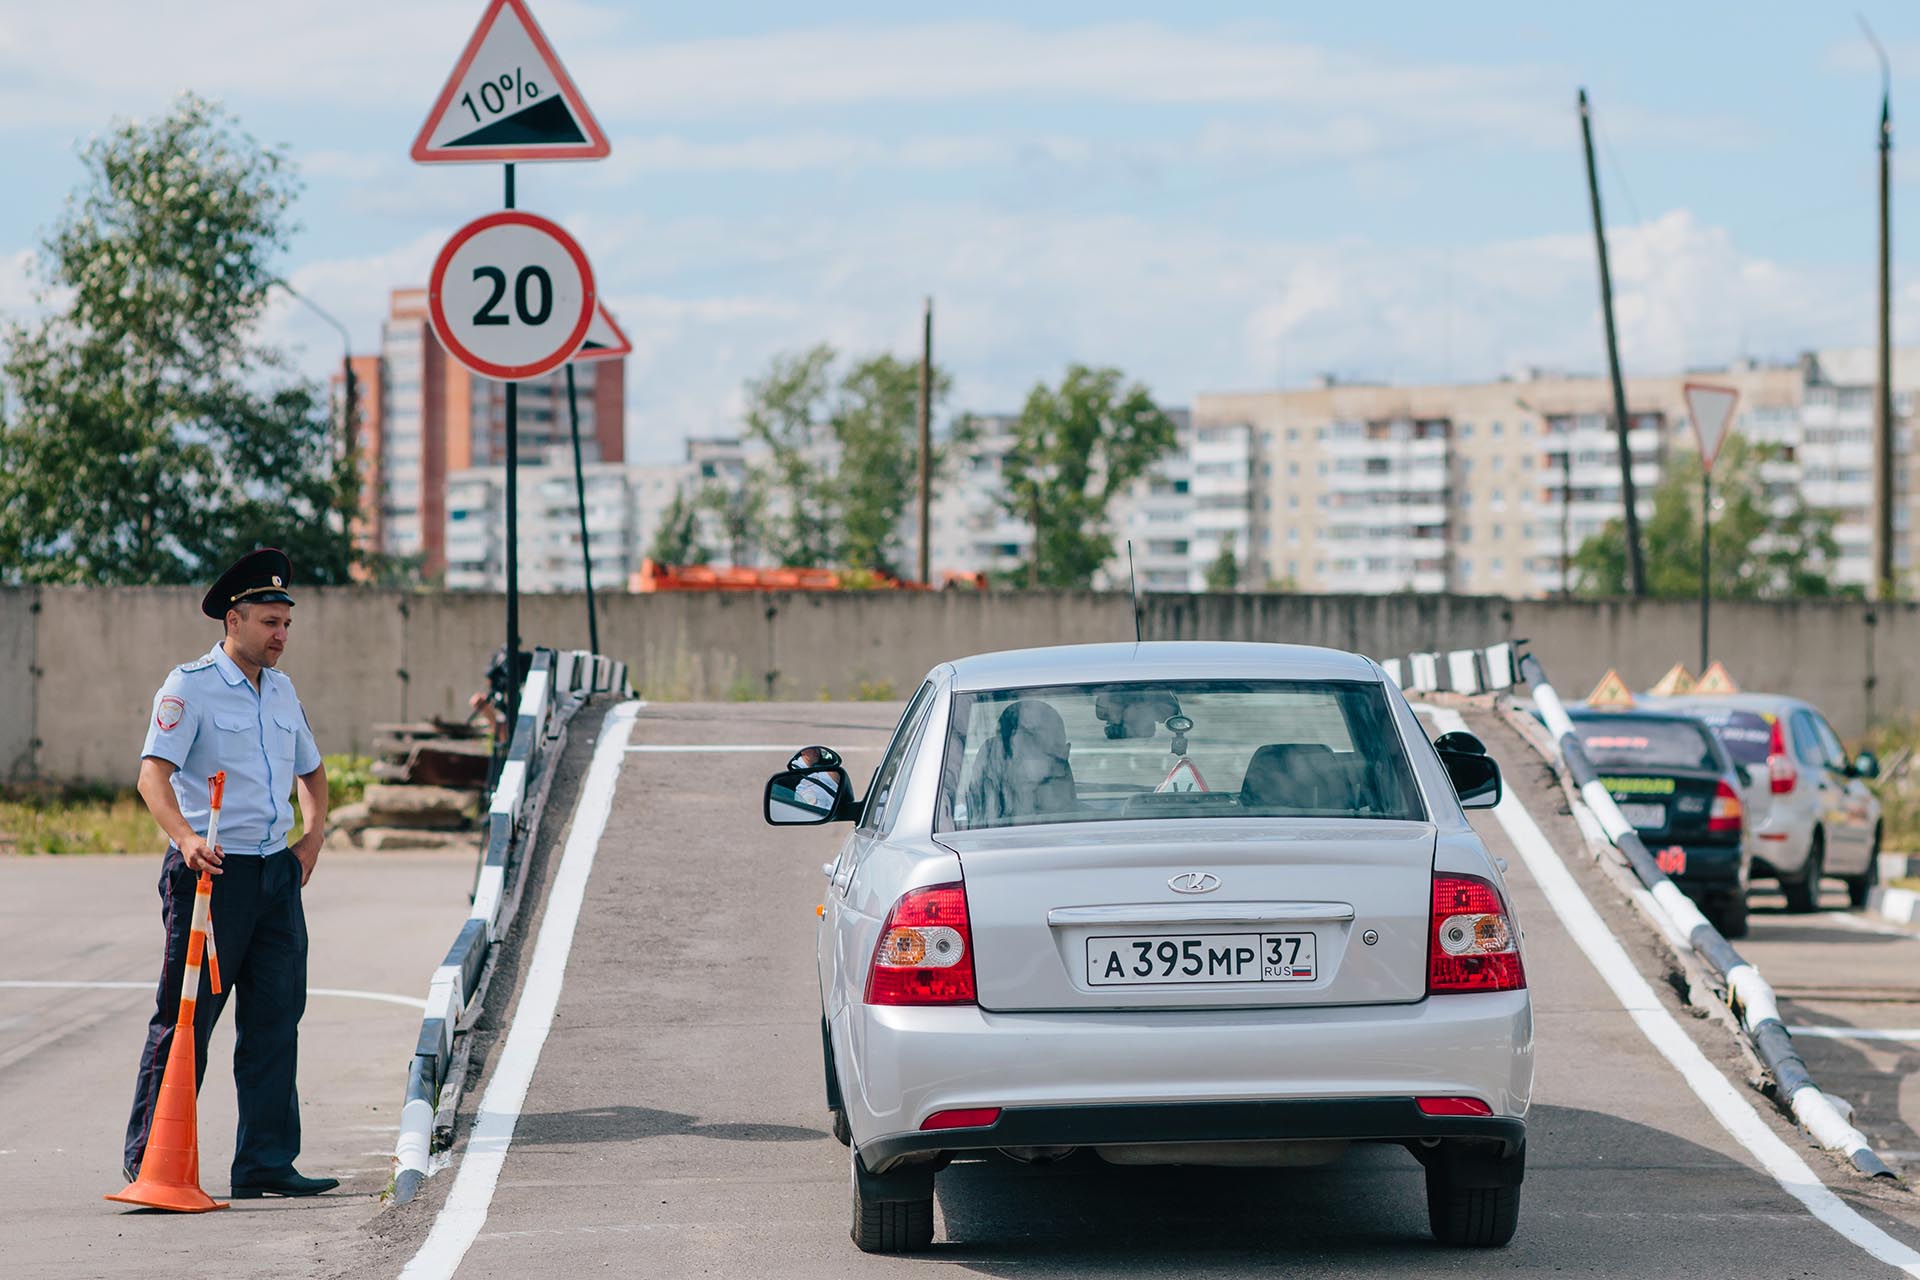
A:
(82, 665)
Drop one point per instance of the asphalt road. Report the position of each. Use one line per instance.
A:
(674, 1125)
(377, 924)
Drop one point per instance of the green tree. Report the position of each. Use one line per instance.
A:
(1758, 552)
(150, 437)
(876, 424)
(1224, 573)
(1075, 447)
(677, 539)
(742, 515)
(785, 413)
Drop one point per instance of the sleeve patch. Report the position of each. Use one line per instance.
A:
(170, 710)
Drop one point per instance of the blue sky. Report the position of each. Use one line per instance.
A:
(1210, 196)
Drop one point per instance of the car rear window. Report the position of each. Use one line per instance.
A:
(1174, 749)
(1745, 734)
(1630, 742)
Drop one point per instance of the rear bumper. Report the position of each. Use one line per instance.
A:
(900, 1065)
(1710, 867)
(1360, 1119)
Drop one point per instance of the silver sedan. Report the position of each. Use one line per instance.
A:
(1176, 903)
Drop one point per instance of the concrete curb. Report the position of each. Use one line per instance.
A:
(1901, 906)
(556, 687)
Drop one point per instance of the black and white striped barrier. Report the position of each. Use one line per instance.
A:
(1749, 994)
(555, 688)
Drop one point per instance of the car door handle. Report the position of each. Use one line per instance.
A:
(1201, 913)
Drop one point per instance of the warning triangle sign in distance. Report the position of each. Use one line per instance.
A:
(509, 99)
(605, 339)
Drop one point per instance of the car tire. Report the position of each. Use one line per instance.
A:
(889, 1225)
(1730, 915)
(1803, 894)
(842, 1131)
(1861, 887)
(1469, 1217)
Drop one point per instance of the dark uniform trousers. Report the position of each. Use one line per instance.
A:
(260, 931)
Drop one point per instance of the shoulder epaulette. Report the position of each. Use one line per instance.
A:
(188, 668)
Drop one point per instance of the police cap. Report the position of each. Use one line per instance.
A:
(258, 577)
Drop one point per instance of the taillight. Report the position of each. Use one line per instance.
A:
(1781, 774)
(964, 1118)
(1472, 945)
(1724, 816)
(925, 952)
(1453, 1107)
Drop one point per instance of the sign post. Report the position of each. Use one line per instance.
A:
(605, 340)
(1711, 411)
(509, 99)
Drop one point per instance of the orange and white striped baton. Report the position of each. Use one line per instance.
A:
(203, 908)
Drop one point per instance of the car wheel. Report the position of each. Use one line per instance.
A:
(1861, 887)
(884, 1223)
(1803, 894)
(842, 1131)
(1730, 916)
(1468, 1216)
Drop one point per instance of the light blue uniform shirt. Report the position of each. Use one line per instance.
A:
(208, 717)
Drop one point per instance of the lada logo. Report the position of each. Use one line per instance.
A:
(1194, 882)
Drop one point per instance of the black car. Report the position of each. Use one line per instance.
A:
(1676, 784)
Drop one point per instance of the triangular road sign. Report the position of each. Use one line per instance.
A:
(1711, 409)
(1716, 680)
(1611, 692)
(509, 99)
(1676, 682)
(605, 339)
(1185, 776)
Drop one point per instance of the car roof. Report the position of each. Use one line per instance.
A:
(1738, 701)
(1630, 713)
(1158, 660)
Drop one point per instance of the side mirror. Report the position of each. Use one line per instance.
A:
(815, 758)
(808, 797)
(1865, 765)
(1461, 741)
(1743, 773)
(1475, 777)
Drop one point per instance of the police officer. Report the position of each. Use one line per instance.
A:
(230, 710)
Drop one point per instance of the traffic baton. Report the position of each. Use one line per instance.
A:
(170, 1167)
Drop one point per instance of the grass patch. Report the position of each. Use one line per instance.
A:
(1906, 882)
(38, 818)
(1895, 743)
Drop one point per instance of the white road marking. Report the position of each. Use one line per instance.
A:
(465, 1211)
(1864, 925)
(1727, 1105)
(678, 748)
(22, 984)
(1857, 1033)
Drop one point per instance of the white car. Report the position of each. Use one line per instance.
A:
(1178, 903)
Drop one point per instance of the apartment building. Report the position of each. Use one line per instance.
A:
(1487, 488)
(424, 417)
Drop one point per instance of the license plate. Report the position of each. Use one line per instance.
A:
(1648, 817)
(1174, 958)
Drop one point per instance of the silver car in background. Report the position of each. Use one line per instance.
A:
(1176, 903)
(1809, 809)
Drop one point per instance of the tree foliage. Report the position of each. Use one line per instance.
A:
(148, 436)
(1075, 447)
(1758, 551)
(677, 539)
(843, 453)
(1224, 573)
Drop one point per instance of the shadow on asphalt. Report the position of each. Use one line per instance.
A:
(1597, 1187)
(626, 1124)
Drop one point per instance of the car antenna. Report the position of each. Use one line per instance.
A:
(1133, 582)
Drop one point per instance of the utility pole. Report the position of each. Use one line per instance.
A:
(1636, 569)
(1882, 585)
(1566, 518)
(926, 442)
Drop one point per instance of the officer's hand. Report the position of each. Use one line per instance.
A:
(202, 856)
(307, 850)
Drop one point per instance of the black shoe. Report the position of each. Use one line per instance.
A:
(288, 1183)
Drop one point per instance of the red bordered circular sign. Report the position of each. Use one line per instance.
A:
(511, 295)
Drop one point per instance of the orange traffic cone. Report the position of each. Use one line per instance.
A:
(170, 1169)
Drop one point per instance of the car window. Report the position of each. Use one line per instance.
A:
(1806, 741)
(1830, 743)
(881, 792)
(1174, 749)
(1638, 742)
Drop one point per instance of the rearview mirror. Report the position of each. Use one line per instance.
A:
(808, 797)
(1866, 765)
(1476, 778)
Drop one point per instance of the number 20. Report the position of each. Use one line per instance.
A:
(528, 275)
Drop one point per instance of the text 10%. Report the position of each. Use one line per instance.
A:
(511, 89)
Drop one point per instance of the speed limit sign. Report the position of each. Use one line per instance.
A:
(511, 296)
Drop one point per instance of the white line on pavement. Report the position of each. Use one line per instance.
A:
(23, 984)
(681, 747)
(1727, 1105)
(465, 1211)
(1857, 1033)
